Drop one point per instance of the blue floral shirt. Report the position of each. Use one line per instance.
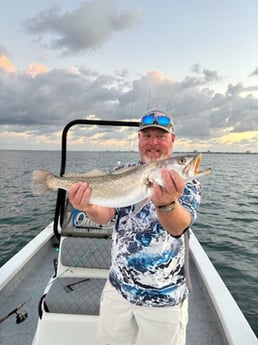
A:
(148, 262)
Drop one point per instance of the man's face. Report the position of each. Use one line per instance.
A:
(155, 144)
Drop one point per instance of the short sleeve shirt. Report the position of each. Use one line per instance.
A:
(147, 261)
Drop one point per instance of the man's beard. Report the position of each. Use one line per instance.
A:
(147, 159)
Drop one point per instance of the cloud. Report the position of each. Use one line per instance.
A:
(6, 64)
(87, 27)
(254, 73)
(35, 69)
(40, 102)
(204, 74)
(57, 96)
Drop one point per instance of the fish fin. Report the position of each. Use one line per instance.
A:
(93, 172)
(39, 182)
(157, 179)
(140, 205)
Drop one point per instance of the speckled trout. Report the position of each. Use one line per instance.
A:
(128, 187)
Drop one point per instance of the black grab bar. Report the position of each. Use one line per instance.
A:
(61, 194)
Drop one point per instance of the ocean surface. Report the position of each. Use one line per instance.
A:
(227, 224)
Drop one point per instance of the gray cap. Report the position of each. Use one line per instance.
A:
(158, 119)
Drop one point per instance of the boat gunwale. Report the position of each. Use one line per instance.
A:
(18, 262)
(234, 325)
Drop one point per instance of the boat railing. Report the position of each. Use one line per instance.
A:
(61, 194)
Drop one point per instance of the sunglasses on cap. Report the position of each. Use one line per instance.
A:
(159, 119)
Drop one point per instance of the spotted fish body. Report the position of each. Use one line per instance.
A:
(129, 187)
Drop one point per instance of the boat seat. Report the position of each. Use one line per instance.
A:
(84, 256)
(85, 247)
(82, 267)
(86, 252)
(74, 296)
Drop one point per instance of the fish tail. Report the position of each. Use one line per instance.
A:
(40, 180)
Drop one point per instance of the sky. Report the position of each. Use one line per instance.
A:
(116, 59)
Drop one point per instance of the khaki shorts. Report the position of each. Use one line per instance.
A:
(123, 323)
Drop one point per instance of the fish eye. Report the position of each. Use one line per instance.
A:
(181, 160)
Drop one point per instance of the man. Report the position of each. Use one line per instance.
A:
(145, 300)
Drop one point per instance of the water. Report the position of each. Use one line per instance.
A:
(226, 226)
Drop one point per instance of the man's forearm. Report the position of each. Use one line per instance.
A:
(98, 214)
(175, 221)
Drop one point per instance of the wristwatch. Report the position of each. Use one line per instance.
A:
(167, 208)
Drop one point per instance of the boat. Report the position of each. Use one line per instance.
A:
(50, 290)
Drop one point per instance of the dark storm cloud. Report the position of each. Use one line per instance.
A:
(87, 27)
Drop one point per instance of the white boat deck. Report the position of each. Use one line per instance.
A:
(203, 328)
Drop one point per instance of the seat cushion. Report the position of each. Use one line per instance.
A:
(86, 252)
(80, 298)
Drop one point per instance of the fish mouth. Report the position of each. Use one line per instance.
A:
(197, 163)
(193, 168)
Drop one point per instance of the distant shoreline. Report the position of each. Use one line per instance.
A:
(128, 151)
